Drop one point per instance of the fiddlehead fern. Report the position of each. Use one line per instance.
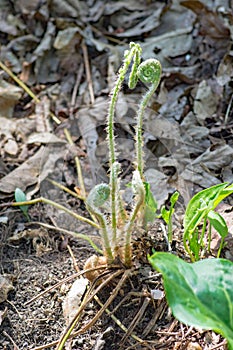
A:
(133, 53)
(148, 72)
(96, 198)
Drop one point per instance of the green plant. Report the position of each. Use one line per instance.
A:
(200, 210)
(21, 197)
(199, 294)
(116, 225)
(167, 214)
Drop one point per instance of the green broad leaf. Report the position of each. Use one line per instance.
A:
(195, 244)
(227, 191)
(20, 196)
(165, 214)
(200, 205)
(174, 198)
(151, 204)
(199, 294)
(218, 222)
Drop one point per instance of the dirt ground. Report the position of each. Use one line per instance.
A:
(68, 52)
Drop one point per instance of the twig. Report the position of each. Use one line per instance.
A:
(78, 166)
(75, 89)
(9, 337)
(224, 342)
(228, 110)
(88, 72)
(136, 320)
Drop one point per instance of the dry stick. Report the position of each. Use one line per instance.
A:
(88, 72)
(76, 86)
(224, 342)
(78, 165)
(54, 343)
(228, 110)
(108, 302)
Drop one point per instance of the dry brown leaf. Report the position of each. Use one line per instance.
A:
(211, 24)
(32, 171)
(39, 236)
(206, 102)
(193, 346)
(225, 70)
(9, 96)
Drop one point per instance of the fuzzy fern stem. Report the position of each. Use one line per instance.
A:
(133, 53)
(139, 191)
(148, 72)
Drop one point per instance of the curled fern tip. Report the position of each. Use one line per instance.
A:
(150, 71)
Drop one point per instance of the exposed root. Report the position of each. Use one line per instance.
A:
(88, 298)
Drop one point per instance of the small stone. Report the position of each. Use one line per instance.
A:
(5, 288)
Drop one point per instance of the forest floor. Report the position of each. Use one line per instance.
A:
(68, 53)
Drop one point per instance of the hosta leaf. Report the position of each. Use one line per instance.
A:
(199, 294)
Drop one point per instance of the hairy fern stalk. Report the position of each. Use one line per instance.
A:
(116, 228)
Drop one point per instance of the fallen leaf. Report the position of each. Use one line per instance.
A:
(193, 346)
(44, 138)
(225, 70)
(9, 96)
(206, 102)
(32, 171)
(211, 24)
